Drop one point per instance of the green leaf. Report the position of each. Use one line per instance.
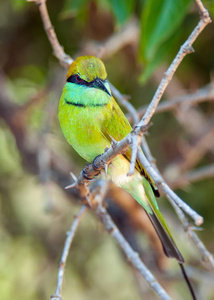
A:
(122, 9)
(159, 21)
(170, 46)
(73, 7)
(18, 5)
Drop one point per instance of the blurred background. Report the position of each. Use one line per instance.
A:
(137, 41)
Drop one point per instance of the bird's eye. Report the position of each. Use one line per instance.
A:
(78, 79)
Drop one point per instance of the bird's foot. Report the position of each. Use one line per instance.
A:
(90, 175)
(96, 167)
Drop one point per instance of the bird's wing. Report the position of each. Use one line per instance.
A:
(116, 127)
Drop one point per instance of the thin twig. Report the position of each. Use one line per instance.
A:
(166, 189)
(204, 94)
(69, 239)
(206, 255)
(132, 256)
(58, 51)
(193, 176)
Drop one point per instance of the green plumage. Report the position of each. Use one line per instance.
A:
(90, 117)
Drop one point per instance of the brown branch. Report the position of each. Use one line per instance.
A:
(58, 50)
(70, 235)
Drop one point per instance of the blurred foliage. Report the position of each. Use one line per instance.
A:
(35, 212)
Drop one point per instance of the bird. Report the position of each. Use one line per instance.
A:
(90, 119)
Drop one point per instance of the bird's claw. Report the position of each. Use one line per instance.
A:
(85, 173)
(95, 167)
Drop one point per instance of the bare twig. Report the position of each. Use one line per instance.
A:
(193, 176)
(204, 94)
(69, 239)
(206, 255)
(131, 255)
(58, 51)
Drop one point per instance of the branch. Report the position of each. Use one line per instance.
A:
(132, 256)
(193, 176)
(204, 94)
(58, 50)
(69, 239)
(206, 255)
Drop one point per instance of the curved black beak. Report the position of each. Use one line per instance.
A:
(99, 83)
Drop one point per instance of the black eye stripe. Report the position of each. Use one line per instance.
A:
(96, 83)
(74, 79)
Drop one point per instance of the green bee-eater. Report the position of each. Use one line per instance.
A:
(90, 117)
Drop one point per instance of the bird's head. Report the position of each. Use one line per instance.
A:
(89, 71)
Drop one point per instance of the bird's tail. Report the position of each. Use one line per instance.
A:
(161, 226)
(165, 236)
(169, 246)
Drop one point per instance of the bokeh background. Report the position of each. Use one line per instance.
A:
(35, 160)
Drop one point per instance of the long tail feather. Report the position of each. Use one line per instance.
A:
(188, 281)
(169, 247)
